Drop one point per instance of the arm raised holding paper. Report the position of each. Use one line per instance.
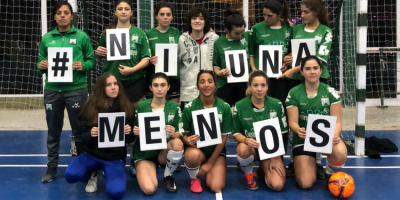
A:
(308, 104)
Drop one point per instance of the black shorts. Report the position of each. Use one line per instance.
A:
(279, 89)
(223, 153)
(175, 88)
(232, 92)
(134, 89)
(299, 151)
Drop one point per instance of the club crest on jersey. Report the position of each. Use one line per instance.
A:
(319, 38)
(287, 35)
(171, 118)
(220, 117)
(135, 38)
(244, 42)
(171, 40)
(272, 115)
(325, 101)
(72, 41)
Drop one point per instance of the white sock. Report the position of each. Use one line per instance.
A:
(193, 172)
(173, 159)
(331, 169)
(246, 164)
(318, 158)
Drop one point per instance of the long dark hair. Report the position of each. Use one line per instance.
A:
(251, 77)
(304, 60)
(233, 18)
(279, 7)
(159, 75)
(164, 4)
(115, 19)
(98, 102)
(317, 6)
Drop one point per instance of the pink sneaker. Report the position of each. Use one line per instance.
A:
(195, 185)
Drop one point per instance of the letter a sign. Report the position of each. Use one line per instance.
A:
(111, 130)
(118, 44)
(206, 126)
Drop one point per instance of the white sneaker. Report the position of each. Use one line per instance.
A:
(73, 150)
(92, 184)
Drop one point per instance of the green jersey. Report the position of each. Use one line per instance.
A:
(244, 115)
(82, 51)
(224, 116)
(171, 36)
(172, 114)
(223, 44)
(318, 104)
(139, 49)
(323, 43)
(262, 34)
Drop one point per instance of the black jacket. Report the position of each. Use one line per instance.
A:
(92, 142)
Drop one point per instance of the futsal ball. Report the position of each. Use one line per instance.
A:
(341, 185)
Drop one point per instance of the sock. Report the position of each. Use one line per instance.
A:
(246, 164)
(318, 158)
(193, 172)
(173, 159)
(331, 169)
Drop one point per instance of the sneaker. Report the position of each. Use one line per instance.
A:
(195, 185)
(132, 170)
(73, 150)
(320, 172)
(51, 173)
(260, 172)
(170, 184)
(239, 167)
(251, 182)
(92, 184)
(290, 170)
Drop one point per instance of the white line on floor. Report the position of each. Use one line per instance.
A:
(218, 196)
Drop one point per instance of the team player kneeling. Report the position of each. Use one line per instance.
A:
(121, 88)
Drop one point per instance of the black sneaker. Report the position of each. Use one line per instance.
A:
(170, 184)
(290, 170)
(320, 172)
(51, 173)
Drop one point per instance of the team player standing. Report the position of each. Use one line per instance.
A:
(201, 83)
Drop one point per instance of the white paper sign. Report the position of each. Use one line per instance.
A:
(270, 60)
(319, 133)
(60, 64)
(167, 59)
(236, 62)
(206, 126)
(111, 130)
(118, 44)
(302, 48)
(268, 134)
(152, 131)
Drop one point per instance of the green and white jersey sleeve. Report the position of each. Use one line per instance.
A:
(318, 104)
(244, 115)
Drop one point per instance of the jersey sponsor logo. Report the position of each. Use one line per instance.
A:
(154, 38)
(52, 42)
(72, 41)
(303, 104)
(266, 35)
(248, 119)
(226, 48)
(272, 115)
(297, 36)
(135, 39)
(325, 101)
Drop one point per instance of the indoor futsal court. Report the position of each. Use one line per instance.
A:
(23, 163)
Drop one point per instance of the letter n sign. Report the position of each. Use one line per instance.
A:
(152, 133)
(111, 130)
(319, 133)
(236, 62)
(206, 126)
(268, 134)
(118, 44)
(167, 61)
(270, 60)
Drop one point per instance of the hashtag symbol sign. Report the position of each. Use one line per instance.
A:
(57, 60)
